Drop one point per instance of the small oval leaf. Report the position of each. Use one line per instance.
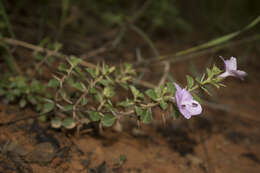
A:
(108, 120)
(56, 123)
(69, 123)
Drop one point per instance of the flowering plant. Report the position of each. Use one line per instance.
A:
(186, 104)
(85, 95)
(231, 69)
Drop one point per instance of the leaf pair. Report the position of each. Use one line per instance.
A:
(107, 120)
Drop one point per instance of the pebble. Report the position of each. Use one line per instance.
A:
(194, 159)
(42, 154)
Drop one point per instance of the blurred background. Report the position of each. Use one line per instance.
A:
(225, 138)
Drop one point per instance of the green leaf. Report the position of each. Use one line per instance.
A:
(158, 91)
(126, 103)
(77, 85)
(97, 70)
(199, 80)
(146, 117)
(129, 69)
(213, 82)
(139, 111)
(74, 61)
(39, 57)
(92, 72)
(109, 79)
(164, 90)
(70, 80)
(47, 107)
(104, 69)
(123, 85)
(56, 123)
(110, 103)
(63, 67)
(68, 108)
(80, 86)
(174, 111)
(5, 19)
(108, 106)
(43, 118)
(108, 120)
(44, 42)
(38, 107)
(36, 86)
(57, 46)
(111, 69)
(205, 89)
(190, 81)
(136, 92)
(218, 79)
(171, 89)
(79, 72)
(53, 83)
(94, 116)
(216, 70)
(109, 92)
(84, 101)
(104, 82)
(152, 94)
(209, 73)
(93, 90)
(69, 123)
(126, 78)
(196, 98)
(122, 158)
(99, 97)
(223, 85)
(64, 94)
(163, 105)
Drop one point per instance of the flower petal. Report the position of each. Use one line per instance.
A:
(185, 113)
(225, 74)
(194, 108)
(178, 93)
(178, 88)
(186, 96)
(186, 104)
(239, 73)
(231, 64)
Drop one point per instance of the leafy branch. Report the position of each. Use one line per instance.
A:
(85, 95)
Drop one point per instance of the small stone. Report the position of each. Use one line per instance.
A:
(43, 153)
(21, 151)
(16, 148)
(194, 159)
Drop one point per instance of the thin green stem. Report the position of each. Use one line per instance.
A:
(6, 19)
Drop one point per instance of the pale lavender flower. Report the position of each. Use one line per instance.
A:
(231, 69)
(185, 102)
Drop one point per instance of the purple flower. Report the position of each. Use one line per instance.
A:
(231, 69)
(185, 102)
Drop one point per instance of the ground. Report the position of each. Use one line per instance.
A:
(224, 139)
